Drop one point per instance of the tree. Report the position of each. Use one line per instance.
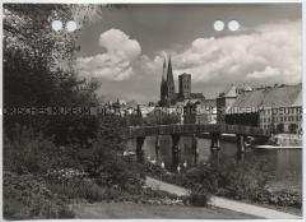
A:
(39, 70)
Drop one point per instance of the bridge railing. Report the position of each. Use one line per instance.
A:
(195, 129)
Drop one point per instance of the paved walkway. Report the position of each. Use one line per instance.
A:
(223, 202)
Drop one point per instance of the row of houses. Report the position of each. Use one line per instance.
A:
(277, 108)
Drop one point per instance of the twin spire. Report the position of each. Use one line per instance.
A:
(167, 69)
(167, 91)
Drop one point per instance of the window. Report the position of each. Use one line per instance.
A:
(293, 128)
(280, 128)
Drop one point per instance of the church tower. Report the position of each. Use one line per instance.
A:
(170, 82)
(167, 88)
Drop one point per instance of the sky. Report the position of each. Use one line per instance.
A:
(124, 48)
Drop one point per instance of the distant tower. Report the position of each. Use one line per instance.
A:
(184, 85)
(170, 82)
(163, 85)
(167, 88)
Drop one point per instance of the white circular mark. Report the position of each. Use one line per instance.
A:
(233, 25)
(71, 26)
(218, 25)
(57, 25)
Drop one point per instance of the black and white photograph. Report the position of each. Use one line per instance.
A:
(152, 111)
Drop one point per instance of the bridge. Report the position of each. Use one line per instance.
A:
(190, 129)
(194, 130)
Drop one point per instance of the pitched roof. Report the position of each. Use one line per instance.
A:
(285, 96)
(250, 99)
(299, 100)
(282, 96)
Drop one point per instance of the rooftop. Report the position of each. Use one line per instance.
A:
(282, 96)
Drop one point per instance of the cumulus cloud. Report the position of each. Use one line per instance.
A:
(116, 62)
(270, 53)
(267, 54)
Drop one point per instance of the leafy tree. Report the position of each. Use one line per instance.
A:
(39, 71)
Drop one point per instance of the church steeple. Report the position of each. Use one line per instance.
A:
(167, 89)
(170, 81)
(163, 85)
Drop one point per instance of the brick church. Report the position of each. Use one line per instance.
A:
(168, 94)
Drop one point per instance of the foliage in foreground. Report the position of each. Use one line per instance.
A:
(41, 179)
(28, 197)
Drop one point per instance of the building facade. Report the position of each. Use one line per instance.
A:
(277, 108)
(281, 119)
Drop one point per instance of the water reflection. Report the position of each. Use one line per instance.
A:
(285, 165)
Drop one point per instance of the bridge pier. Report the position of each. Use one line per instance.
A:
(241, 147)
(157, 147)
(194, 148)
(175, 151)
(215, 157)
(215, 141)
(139, 151)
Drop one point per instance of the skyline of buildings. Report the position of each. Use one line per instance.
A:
(277, 108)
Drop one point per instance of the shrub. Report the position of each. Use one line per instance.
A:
(283, 198)
(199, 196)
(28, 197)
(78, 188)
(30, 152)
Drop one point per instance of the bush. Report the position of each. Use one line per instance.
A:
(80, 188)
(199, 196)
(28, 197)
(282, 198)
(31, 152)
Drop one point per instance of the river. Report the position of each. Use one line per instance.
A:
(284, 164)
